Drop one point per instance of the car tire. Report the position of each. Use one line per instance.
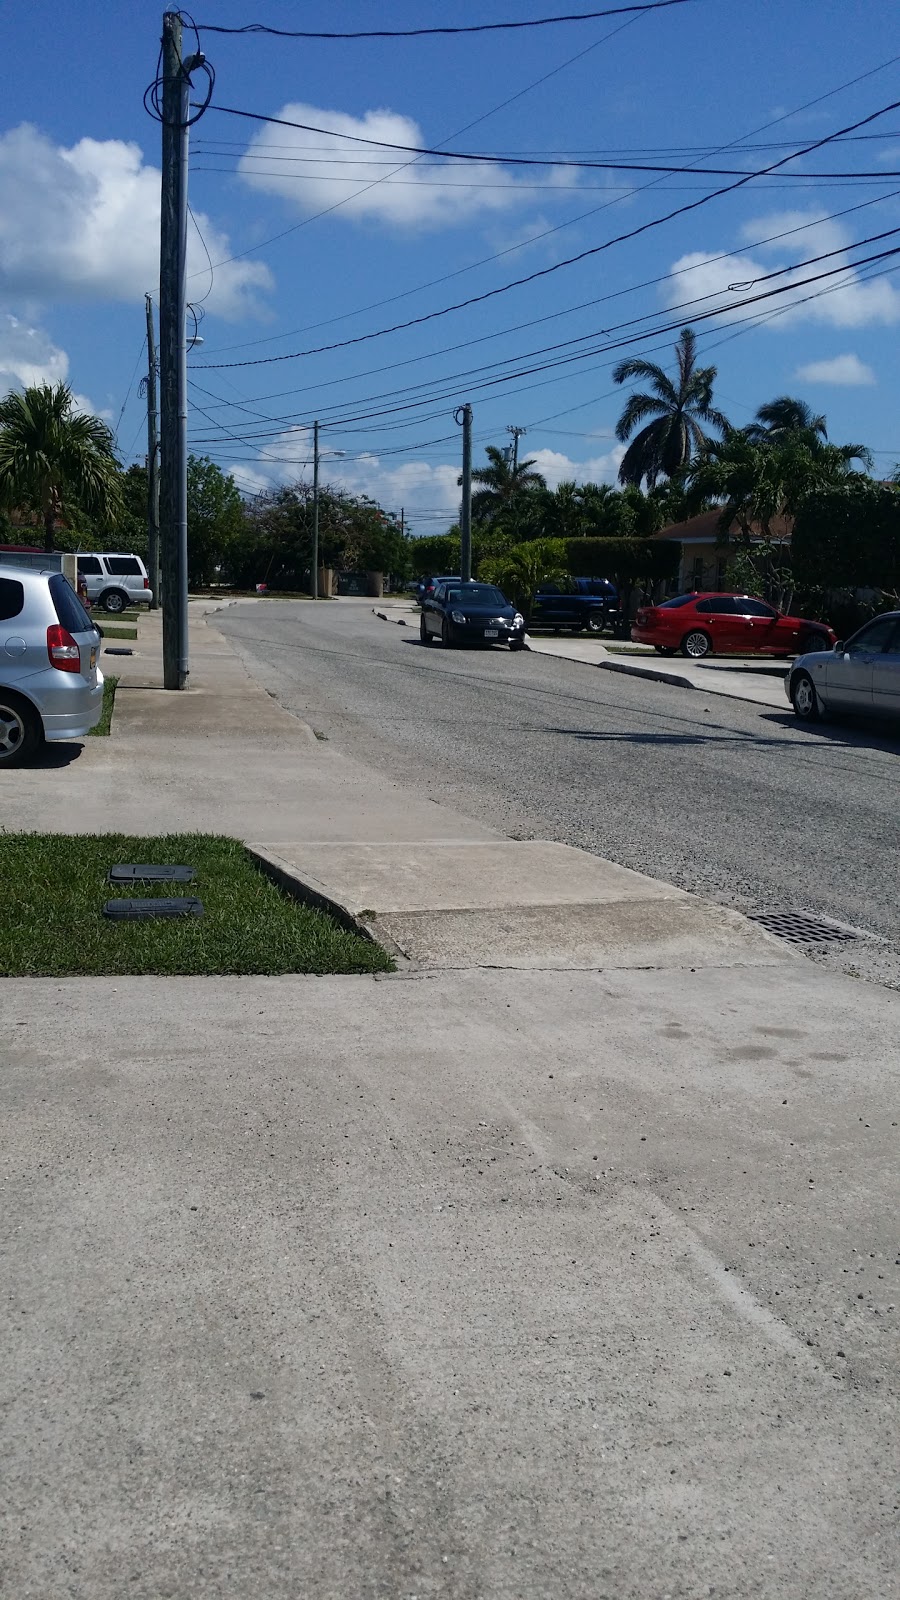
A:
(21, 730)
(696, 645)
(424, 635)
(517, 644)
(114, 601)
(595, 622)
(446, 633)
(814, 641)
(804, 699)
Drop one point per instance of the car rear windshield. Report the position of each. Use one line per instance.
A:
(477, 594)
(123, 565)
(68, 607)
(680, 600)
(12, 598)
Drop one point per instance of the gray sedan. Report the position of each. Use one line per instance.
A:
(861, 674)
(50, 684)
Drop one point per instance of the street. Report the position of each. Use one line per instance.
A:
(741, 805)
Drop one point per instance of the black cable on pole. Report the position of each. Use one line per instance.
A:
(424, 33)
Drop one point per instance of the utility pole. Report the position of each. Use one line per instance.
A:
(176, 75)
(516, 435)
(464, 414)
(315, 534)
(152, 461)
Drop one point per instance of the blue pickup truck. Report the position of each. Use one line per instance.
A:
(587, 605)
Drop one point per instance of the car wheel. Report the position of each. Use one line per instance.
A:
(595, 623)
(696, 644)
(21, 730)
(424, 635)
(114, 601)
(813, 641)
(804, 699)
(446, 633)
(517, 644)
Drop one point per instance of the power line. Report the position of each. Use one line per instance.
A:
(479, 158)
(128, 390)
(543, 272)
(422, 33)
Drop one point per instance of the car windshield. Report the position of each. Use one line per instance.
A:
(476, 594)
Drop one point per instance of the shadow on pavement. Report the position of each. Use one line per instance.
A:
(54, 755)
(861, 734)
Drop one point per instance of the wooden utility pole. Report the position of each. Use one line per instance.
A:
(464, 415)
(152, 461)
(516, 435)
(173, 351)
(314, 584)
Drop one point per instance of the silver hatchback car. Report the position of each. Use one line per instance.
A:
(50, 684)
(861, 674)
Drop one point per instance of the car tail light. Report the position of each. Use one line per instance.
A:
(63, 651)
(146, 583)
(648, 614)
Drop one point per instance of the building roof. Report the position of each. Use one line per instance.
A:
(705, 528)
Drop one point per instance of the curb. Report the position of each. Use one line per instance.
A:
(649, 672)
(275, 868)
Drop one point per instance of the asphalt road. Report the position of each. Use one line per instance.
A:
(743, 805)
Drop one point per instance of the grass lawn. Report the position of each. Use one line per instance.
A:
(109, 699)
(55, 886)
(109, 631)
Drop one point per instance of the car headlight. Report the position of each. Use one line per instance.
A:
(457, 616)
(518, 620)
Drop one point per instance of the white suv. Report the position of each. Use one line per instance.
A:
(115, 581)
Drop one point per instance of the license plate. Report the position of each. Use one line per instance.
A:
(491, 633)
(93, 657)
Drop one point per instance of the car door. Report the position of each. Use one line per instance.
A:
(886, 676)
(90, 570)
(850, 672)
(548, 607)
(716, 616)
(430, 609)
(756, 627)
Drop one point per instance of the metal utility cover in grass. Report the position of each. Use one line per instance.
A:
(142, 872)
(146, 910)
(112, 650)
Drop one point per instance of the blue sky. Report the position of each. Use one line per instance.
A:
(79, 199)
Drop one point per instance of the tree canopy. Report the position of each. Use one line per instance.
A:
(55, 458)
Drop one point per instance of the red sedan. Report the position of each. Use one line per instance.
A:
(700, 624)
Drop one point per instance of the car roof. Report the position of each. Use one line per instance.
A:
(10, 569)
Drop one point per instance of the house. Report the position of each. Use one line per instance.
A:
(704, 549)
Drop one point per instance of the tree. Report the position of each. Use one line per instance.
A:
(674, 436)
(522, 570)
(215, 516)
(788, 421)
(501, 483)
(54, 458)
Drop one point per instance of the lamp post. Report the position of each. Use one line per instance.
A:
(315, 529)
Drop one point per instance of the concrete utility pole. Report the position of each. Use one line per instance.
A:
(176, 74)
(152, 461)
(516, 435)
(315, 529)
(464, 414)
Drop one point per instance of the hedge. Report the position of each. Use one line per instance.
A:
(849, 539)
(626, 561)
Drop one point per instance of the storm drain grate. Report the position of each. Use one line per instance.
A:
(800, 928)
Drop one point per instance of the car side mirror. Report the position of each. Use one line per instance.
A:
(838, 647)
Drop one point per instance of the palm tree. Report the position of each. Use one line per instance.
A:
(52, 455)
(502, 482)
(789, 421)
(674, 435)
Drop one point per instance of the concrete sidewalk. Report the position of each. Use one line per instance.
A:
(458, 1284)
(731, 680)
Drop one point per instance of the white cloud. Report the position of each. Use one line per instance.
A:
(428, 492)
(28, 357)
(83, 224)
(849, 302)
(317, 172)
(847, 370)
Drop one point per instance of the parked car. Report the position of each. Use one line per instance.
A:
(115, 581)
(50, 684)
(426, 586)
(589, 605)
(700, 624)
(861, 674)
(477, 613)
